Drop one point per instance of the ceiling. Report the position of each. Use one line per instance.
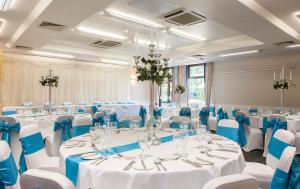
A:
(229, 26)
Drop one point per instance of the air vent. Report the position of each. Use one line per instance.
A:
(23, 47)
(182, 17)
(198, 55)
(105, 44)
(284, 43)
(52, 26)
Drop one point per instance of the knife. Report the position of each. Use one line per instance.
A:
(130, 164)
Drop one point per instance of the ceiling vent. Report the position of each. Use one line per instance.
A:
(182, 17)
(105, 44)
(284, 43)
(23, 47)
(52, 26)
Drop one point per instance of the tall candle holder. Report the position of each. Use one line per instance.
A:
(282, 84)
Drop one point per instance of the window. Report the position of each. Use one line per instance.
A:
(196, 83)
(166, 91)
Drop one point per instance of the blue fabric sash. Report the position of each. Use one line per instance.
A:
(6, 113)
(72, 162)
(80, 130)
(279, 180)
(204, 114)
(80, 110)
(276, 147)
(185, 112)
(66, 126)
(176, 125)
(8, 171)
(274, 123)
(243, 122)
(234, 112)
(213, 110)
(30, 144)
(222, 114)
(114, 118)
(100, 120)
(253, 111)
(6, 128)
(94, 109)
(142, 114)
(157, 112)
(228, 132)
(294, 175)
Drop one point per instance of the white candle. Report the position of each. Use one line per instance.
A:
(274, 75)
(282, 72)
(291, 75)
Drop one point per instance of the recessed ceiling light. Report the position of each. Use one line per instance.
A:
(102, 12)
(186, 35)
(52, 54)
(239, 53)
(125, 31)
(135, 19)
(293, 46)
(4, 4)
(297, 14)
(101, 33)
(111, 61)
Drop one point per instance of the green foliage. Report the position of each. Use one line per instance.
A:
(179, 89)
(49, 81)
(148, 70)
(281, 84)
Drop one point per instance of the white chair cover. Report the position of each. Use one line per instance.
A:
(55, 141)
(237, 181)
(9, 110)
(229, 129)
(41, 179)
(38, 159)
(67, 103)
(28, 104)
(81, 125)
(8, 168)
(294, 126)
(264, 173)
(212, 122)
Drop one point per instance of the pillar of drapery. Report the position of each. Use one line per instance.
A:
(179, 78)
(1, 78)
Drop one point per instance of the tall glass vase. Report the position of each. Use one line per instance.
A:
(151, 105)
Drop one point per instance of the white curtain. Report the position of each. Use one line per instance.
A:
(208, 82)
(78, 80)
(179, 78)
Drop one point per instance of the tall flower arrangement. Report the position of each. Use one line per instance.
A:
(49, 81)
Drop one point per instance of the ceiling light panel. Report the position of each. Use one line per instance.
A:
(111, 61)
(239, 53)
(186, 35)
(52, 54)
(4, 4)
(132, 18)
(293, 46)
(101, 33)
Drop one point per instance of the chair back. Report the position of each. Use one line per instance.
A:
(185, 111)
(131, 119)
(228, 128)
(33, 148)
(81, 125)
(35, 178)
(280, 140)
(234, 111)
(9, 173)
(281, 176)
(176, 121)
(28, 104)
(236, 181)
(9, 110)
(253, 111)
(99, 118)
(244, 122)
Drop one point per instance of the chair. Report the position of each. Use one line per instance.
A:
(83, 103)
(175, 121)
(12, 137)
(28, 104)
(62, 133)
(275, 157)
(253, 111)
(236, 181)
(228, 128)
(9, 110)
(34, 152)
(234, 111)
(81, 125)
(185, 111)
(35, 178)
(9, 173)
(131, 119)
(253, 136)
(67, 103)
(203, 116)
(294, 126)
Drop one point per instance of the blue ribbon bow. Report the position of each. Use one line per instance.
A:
(66, 126)
(94, 109)
(222, 114)
(204, 114)
(6, 128)
(274, 123)
(213, 110)
(100, 120)
(9, 172)
(243, 121)
(142, 114)
(234, 112)
(185, 112)
(157, 112)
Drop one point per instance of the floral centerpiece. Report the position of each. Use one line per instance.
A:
(49, 81)
(179, 89)
(280, 84)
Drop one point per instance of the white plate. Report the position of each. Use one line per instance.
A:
(91, 156)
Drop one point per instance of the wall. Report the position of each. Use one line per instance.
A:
(254, 88)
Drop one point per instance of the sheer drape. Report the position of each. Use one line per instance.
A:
(78, 80)
(179, 78)
(208, 81)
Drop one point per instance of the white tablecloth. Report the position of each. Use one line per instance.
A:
(110, 174)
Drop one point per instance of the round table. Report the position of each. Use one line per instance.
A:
(179, 174)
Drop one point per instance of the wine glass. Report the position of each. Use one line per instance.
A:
(143, 141)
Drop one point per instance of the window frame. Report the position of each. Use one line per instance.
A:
(195, 77)
(170, 82)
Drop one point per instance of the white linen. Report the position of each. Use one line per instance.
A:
(109, 174)
(77, 80)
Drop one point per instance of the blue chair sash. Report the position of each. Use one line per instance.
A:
(99, 120)
(243, 121)
(276, 147)
(8, 172)
(294, 175)
(221, 114)
(142, 114)
(94, 109)
(30, 144)
(253, 111)
(7, 113)
(80, 130)
(279, 180)
(6, 128)
(80, 110)
(66, 126)
(114, 118)
(204, 114)
(234, 112)
(228, 132)
(274, 123)
(157, 112)
(213, 110)
(185, 112)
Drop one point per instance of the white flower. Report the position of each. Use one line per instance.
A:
(148, 67)
(161, 73)
(166, 79)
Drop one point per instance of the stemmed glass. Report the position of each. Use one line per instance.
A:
(143, 142)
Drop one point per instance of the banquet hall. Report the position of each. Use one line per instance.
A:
(149, 94)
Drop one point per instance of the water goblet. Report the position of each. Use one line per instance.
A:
(143, 140)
